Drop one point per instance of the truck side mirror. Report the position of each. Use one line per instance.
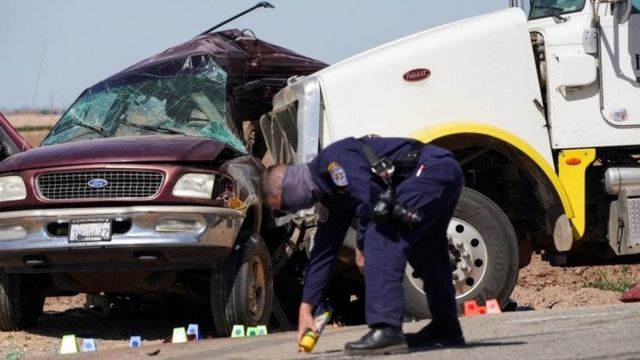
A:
(622, 10)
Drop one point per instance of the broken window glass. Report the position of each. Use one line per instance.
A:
(281, 133)
(180, 97)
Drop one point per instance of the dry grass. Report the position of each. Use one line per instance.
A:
(32, 120)
(32, 126)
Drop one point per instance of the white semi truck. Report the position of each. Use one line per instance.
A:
(542, 109)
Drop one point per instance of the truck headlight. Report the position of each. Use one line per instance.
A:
(193, 185)
(12, 188)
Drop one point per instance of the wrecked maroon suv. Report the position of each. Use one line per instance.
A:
(148, 186)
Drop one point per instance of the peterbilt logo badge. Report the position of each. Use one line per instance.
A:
(98, 183)
(416, 74)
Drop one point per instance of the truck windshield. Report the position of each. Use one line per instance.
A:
(546, 8)
(183, 97)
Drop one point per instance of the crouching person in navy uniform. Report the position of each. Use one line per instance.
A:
(403, 194)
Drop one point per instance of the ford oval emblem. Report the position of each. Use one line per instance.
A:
(98, 183)
(416, 74)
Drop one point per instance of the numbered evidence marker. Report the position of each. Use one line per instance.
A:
(179, 335)
(69, 345)
(237, 331)
(262, 330)
(88, 345)
(135, 341)
(193, 332)
(493, 307)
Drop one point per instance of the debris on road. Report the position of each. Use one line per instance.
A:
(632, 295)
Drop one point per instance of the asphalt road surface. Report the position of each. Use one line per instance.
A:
(599, 332)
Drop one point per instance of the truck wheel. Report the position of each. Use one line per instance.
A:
(483, 250)
(242, 286)
(18, 309)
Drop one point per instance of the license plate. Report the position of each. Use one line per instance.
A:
(90, 230)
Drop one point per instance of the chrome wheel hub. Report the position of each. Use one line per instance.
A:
(468, 256)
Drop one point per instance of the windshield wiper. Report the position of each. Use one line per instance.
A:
(159, 129)
(95, 129)
(554, 11)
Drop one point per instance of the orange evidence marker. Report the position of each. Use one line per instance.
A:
(471, 308)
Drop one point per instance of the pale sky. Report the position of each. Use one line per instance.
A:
(82, 42)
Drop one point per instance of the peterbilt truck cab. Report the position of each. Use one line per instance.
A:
(540, 103)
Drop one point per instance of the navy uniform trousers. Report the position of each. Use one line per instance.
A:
(434, 187)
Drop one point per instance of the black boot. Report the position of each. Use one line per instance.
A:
(435, 336)
(378, 341)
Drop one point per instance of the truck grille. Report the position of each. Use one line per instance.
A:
(106, 184)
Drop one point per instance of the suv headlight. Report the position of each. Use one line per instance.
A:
(12, 188)
(193, 185)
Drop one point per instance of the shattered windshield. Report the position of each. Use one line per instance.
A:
(544, 8)
(181, 97)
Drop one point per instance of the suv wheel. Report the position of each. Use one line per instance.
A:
(242, 286)
(18, 308)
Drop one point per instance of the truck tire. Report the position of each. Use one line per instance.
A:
(242, 286)
(18, 308)
(483, 250)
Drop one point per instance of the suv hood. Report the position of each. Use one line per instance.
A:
(134, 149)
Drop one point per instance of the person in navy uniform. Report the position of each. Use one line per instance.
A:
(403, 194)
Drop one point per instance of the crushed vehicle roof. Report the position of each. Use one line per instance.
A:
(216, 74)
(243, 56)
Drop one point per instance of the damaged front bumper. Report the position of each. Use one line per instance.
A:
(140, 237)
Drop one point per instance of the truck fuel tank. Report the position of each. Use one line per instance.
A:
(619, 177)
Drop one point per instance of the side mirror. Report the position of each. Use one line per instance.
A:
(622, 10)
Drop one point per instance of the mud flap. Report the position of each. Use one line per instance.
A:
(563, 234)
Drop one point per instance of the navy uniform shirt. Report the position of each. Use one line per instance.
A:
(343, 174)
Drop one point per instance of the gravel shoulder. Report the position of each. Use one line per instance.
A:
(540, 286)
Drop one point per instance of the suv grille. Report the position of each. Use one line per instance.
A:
(106, 184)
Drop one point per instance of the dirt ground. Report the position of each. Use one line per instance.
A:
(539, 286)
(543, 286)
